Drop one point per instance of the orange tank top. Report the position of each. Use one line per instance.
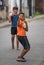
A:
(20, 30)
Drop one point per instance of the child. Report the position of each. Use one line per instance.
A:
(13, 17)
(22, 27)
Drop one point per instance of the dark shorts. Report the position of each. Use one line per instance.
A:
(13, 30)
(24, 41)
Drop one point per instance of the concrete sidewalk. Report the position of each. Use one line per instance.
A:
(5, 24)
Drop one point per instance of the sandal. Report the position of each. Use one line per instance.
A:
(21, 60)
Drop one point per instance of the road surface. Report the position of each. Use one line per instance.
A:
(36, 39)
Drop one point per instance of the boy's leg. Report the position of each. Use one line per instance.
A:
(21, 57)
(12, 39)
(17, 43)
(25, 43)
(24, 52)
(13, 31)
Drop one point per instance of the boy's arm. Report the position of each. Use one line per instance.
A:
(26, 26)
(10, 17)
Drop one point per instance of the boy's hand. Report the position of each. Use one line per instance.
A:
(10, 14)
(25, 26)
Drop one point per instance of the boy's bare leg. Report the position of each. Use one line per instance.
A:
(12, 39)
(24, 52)
(17, 43)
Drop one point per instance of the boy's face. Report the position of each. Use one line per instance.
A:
(21, 16)
(15, 11)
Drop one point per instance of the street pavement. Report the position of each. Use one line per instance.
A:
(36, 39)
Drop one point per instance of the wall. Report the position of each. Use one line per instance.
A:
(39, 4)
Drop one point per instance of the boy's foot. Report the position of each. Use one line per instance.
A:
(21, 60)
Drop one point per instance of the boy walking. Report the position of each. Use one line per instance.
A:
(22, 27)
(14, 18)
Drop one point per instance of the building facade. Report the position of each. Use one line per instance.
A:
(39, 5)
(4, 9)
(29, 7)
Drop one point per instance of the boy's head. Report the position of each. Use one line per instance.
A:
(21, 16)
(15, 10)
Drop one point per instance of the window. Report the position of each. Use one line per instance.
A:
(1, 2)
(1, 5)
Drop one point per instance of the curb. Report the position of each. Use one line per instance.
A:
(5, 25)
(34, 18)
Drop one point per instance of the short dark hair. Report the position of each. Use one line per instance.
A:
(15, 8)
(21, 13)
